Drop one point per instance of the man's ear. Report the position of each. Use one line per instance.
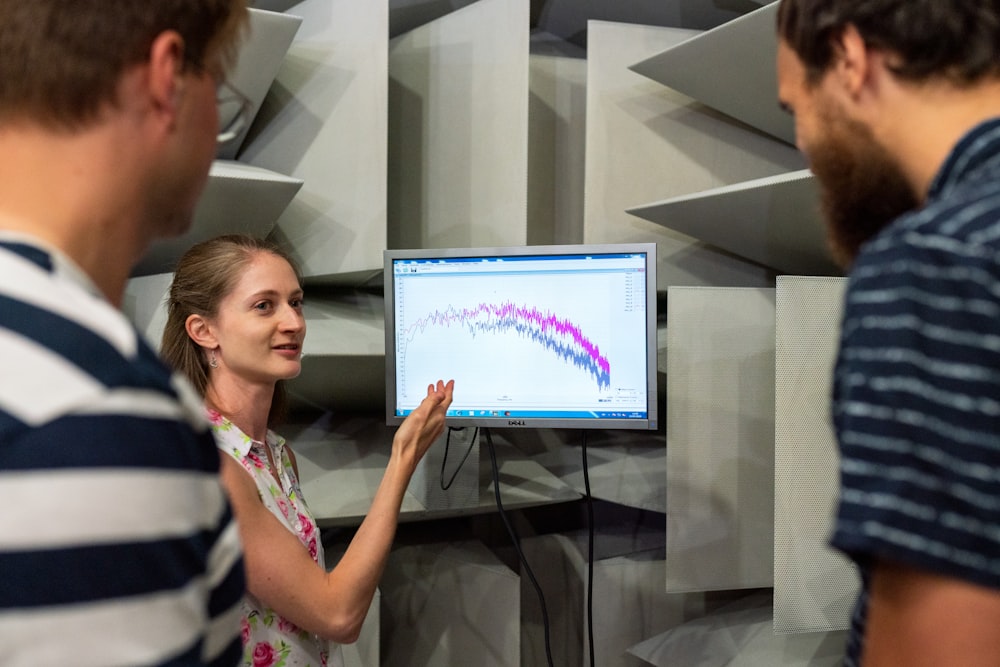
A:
(165, 66)
(200, 331)
(853, 61)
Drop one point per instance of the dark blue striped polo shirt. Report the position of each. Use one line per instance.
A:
(916, 398)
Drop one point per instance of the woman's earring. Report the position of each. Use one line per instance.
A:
(212, 361)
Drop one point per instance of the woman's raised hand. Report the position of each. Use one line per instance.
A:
(422, 426)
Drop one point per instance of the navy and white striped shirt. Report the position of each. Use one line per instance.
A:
(916, 400)
(117, 544)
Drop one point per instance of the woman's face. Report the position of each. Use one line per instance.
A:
(259, 326)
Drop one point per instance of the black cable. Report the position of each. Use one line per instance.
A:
(590, 550)
(517, 544)
(447, 442)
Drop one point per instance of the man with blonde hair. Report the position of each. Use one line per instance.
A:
(117, 545)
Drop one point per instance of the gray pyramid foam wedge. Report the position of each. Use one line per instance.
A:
(774, 221)
(730, 68)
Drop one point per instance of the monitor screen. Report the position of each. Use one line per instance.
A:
(534, 336)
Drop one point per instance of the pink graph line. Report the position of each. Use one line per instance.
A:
(544, 327)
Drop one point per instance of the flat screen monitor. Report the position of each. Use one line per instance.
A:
(534, 336)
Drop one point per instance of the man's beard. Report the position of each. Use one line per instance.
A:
(862, 188)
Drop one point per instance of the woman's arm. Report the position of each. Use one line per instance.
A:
(280, 571)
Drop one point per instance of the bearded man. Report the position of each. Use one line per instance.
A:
(897, 108)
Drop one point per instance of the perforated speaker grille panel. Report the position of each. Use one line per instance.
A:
(814, 586)
(720, 438)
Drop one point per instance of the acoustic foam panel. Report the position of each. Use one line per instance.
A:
(629, 600)
(238, 198)
(273, 5)
(720, 438)
(814, 586)
(645, 142)
(458, 129)
(774, 221)
(625, 468)
(342, 457)
(259, 59)
(323, 121)
(730, 68)
(145, 303)
(343, 356)
(449, 605)
(557, 127)
(740, 635)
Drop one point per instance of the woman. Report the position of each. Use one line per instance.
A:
(235, 328)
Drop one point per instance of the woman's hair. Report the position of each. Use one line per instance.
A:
(956, 40)
(205, 275)
(61, 60)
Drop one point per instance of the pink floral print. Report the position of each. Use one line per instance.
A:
(264, 655)
(269, 640)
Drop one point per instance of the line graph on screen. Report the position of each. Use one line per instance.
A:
(535, 335)
(551, 333)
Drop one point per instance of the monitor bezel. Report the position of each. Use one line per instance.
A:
(649, 423)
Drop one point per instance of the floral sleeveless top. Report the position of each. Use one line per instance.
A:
(269, 640)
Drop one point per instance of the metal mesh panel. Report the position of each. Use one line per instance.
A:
(720, 438)
(814, 586)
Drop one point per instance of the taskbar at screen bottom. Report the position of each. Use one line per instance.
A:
(542, 414)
